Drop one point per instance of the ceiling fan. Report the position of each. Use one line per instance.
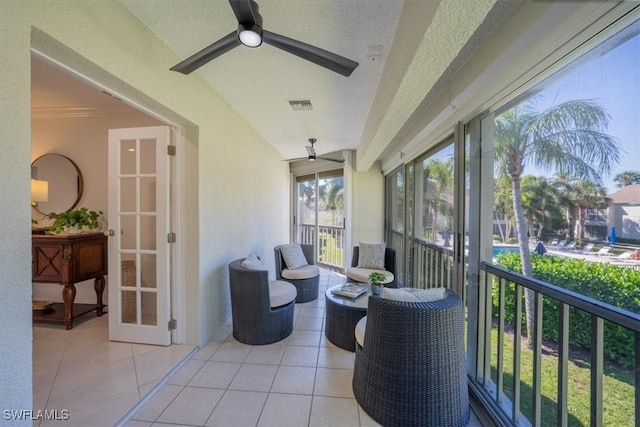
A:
(251, 34)
(312, 154)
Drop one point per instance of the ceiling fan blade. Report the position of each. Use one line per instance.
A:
(296, 159)
(324, 58)
(330, 160)
(246, 11)
(210, 52)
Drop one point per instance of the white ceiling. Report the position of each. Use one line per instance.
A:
(257, 83)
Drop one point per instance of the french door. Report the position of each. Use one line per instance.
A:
(139, 235)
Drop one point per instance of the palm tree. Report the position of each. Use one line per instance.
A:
(627, 178)
(503, 206)
(567, 199)
(440, 181)
(590, 196)
(569, 137)
(540, 204)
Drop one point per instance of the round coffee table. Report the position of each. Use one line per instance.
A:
(342, 315)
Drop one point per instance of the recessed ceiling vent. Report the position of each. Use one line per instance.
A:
(300, 105)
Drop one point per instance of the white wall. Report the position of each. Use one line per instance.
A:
(368, 207)
(241, 199)
(83, 140)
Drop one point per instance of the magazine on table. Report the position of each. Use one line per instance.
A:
(350, 290)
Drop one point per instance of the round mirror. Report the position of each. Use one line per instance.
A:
(64, 179)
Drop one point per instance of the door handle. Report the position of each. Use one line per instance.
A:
(111, 233)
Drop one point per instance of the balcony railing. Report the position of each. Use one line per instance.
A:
(330, 247)
(495, 388)
(432, 265)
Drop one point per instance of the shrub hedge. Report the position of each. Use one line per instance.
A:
(605, 282)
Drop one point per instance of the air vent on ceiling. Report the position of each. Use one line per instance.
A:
(300, 105)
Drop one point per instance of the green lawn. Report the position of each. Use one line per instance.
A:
(618, 386)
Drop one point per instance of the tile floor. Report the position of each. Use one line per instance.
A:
(303, 380)
(96, 380)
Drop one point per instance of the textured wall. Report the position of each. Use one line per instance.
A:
(15, 218)
(241, 199)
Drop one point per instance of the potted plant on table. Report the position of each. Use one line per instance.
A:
(375, 281)
(75, 221)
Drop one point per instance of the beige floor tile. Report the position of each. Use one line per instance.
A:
(333, 382)
(294, 380)
(324, 342)
(254, 378)
(334, 357)
(136, 423)
(231, 351)
(309, 338)
(266, 354)
(104, 413)
(285, 410)
(308, 324)
(300, 356)
(238, 409)
(157, 403)
(192, 406)
(215, 375)
(334, 411)
(207, 350)
(186, 372)
(84, 387)
(153, 365)
(147, 388)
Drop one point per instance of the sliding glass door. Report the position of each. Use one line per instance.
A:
(319, 215)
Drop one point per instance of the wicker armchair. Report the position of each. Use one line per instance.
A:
(307, 287)
(389, 265)
(410, 370)
(254, 320)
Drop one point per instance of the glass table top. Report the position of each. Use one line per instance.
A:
(361, 302)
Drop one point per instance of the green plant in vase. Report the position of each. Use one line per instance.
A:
(75, 221)
(376, 280)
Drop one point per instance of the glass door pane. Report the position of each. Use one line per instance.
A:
(331, 218)
(306, 209)
(395, 217)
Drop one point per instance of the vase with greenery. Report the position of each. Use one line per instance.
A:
(375, 281)
(75, 221)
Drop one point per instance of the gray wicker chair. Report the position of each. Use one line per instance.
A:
(389, 264)
(410, 370)
(254, 321)
(307, 288)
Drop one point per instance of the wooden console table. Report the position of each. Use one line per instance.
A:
(68, 260)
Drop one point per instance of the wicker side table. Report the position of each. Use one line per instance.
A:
(342, 315)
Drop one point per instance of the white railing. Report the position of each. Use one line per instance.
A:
(330, 245)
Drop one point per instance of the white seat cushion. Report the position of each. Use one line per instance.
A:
(281, 293)
(361, 327)
(306, 272)
(362, 274)
(415, 295)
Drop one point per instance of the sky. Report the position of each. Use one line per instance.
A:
(612, 79)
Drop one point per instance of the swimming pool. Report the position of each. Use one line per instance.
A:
(499, 250)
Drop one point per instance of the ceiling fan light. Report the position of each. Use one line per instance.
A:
(250, 36)
(312, 158)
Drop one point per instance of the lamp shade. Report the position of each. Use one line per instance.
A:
(39, 190)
